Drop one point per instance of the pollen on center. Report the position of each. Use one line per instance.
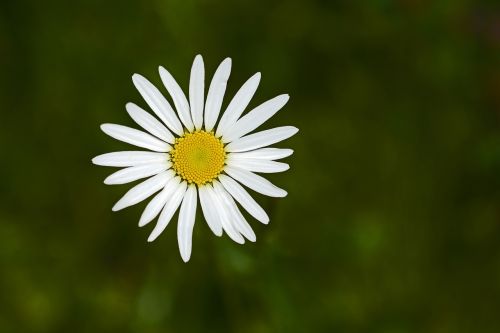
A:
(198, 157)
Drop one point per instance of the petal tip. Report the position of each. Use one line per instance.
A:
(252, 238)
(198, 58)
(143, 220)
(129, 106)
(119, 205)
(185, 256)
(105, 127)
(164, 74)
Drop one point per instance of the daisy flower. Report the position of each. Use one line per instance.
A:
(192, 155)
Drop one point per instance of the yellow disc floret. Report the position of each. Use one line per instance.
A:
(198, 157)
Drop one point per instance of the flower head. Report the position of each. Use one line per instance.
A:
(189, 157)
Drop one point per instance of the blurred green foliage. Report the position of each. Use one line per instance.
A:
(392, 221)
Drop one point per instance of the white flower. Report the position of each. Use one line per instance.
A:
(192, 157)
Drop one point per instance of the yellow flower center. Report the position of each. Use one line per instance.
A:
(198, 157)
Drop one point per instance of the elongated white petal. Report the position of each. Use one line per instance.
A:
(134, 173)
(135, 137)
(246, 201)
(180, 100)
(238, 104)
(156, 204)
(255, 118)
(216, 94)
(241, 223)
(263, 153)
(261, 139)
(129, 158)
(223, 216)
(258, 165)
(157, 103)
(197, 91)
(149, 123)
(237, 218)
(143, 190)
(168, 211)
(209, 211)
(255, 182)
(186, 222)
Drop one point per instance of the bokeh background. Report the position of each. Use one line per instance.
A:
(392, 222)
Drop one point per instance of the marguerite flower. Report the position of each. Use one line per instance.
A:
(190, 156)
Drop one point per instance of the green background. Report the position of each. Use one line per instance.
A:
(392, 222)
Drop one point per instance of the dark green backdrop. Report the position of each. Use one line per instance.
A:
(392, 222)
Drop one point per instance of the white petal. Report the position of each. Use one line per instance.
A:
(264, 153)
(237, 219)
(255, 118)
(168, 211)
(156, 204)
(238, 104)
(186, 222)
(149, 123)
(261, 139)
(255, 182)
(223, 216)
(134, 173)
(143, 190)
(135, 137)
(157, 103)
(257, 165)
(216, 94)
(210, 211)
(180, 100)
(241, 195)
(197, 91)
(129, 158)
